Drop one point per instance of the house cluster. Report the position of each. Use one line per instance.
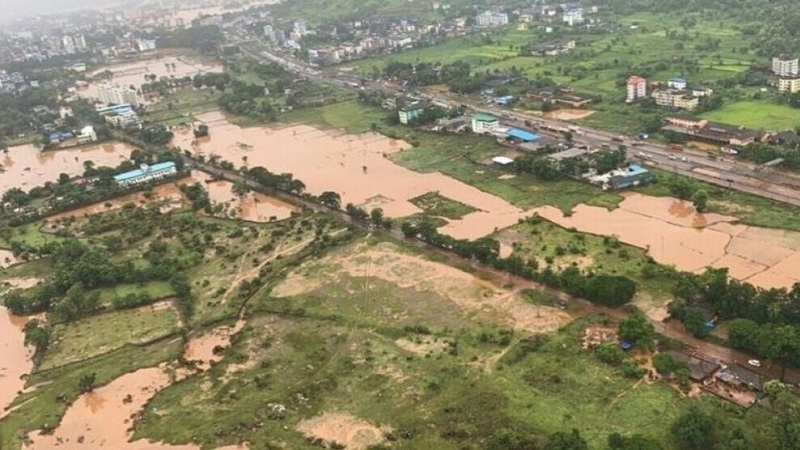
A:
(12, 81)
(368, 38)
(560, 95)
(570, 14)
(64, 139)
(711, 132)
(551, 48)
(121, 116)
(676, 94)
(735, 383)
(672, 94)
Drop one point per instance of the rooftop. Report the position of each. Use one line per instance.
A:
(522, 135)
(567, 154)
(480, 117)
(146, 169)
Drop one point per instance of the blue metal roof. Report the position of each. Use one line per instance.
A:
(522, 135)
(139, 172)
(677, 80)
(635, 169)
(116, 108)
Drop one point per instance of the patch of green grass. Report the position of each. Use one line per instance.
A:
(757, 114)
(153, 289)
(182, 107)
(552, 245)
(435, 204)
(32, 234)
(347, 115)
(95, 335)
(57, 388)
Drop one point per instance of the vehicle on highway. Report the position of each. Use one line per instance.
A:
(676, 148)
(672, 157)
(684, 159)
(618, 138)
(754, 363)
(637, 143)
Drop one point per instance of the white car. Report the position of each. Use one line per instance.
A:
(684, 159)
(672, 157)
(754, 363)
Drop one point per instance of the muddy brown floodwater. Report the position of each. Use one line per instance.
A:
(15, 358)
(25, 166)
(358, 167)
(133, 73)
(674, 233)
(102, 418)
(253, 206)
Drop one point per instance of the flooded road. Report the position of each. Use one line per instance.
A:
(358, 167)
(15, 358)
(674, 233)
(25, 166)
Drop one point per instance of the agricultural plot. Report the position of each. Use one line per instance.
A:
(93, 336)
(435, 204)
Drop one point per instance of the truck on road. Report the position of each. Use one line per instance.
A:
(676, 147)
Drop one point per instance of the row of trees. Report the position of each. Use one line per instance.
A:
(604, 289)
(767, 318)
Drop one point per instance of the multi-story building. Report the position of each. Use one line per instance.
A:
(113, 95)
(411, 112)
(146, 173)
(80, 43)
(789, 84)
(484, 123)
(491, 19)
(784, 66)
(674, 98)
(637, 88)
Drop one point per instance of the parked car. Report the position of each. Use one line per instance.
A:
(754, 363)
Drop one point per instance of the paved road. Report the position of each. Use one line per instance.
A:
(726, 171)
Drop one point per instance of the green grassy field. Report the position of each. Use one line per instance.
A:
(759, 115)
(557, 247)
(153, 289)
(87, 338)
(416, 362)
(182, 107)
(435, 204)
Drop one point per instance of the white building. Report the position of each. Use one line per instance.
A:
(80, 42)
(146, 173)
(300, 27)
(114, 95)
(86, 135)
(637, 88)
(145, 45)
(573, 17)
(484, 123)
(64, 112)
(783, 66)
(491, 19)
(677, 83)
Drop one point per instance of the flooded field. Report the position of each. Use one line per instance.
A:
(16, 358)
(359, 168)
(133, 73)
(253, 206)
(102, 418)
(25, 166)
(674, 233)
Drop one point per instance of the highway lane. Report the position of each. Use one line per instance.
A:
(726, 171)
